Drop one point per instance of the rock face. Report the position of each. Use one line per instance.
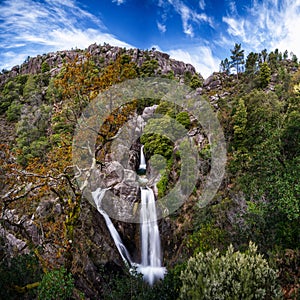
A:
(102, 55)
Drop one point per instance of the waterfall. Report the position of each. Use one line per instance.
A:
(98, 196)
(150, 265)
(142, 165)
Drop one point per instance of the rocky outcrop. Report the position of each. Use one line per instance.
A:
(102, 55)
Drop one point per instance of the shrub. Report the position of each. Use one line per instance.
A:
(14, 111)
(45, 67)
(184, 119)
(57, 284)
(234, 275)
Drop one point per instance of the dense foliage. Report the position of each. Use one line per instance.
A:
(257, 100)
(234, 275)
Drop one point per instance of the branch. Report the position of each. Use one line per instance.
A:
(27, 287)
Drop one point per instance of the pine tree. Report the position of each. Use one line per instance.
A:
(237, 57)
(264, 75)
(225, 65)
(251, 63)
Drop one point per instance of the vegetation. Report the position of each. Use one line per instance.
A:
(234, 275)
(257, 99)
(57, 284)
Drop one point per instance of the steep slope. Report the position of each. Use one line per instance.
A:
(47, 224)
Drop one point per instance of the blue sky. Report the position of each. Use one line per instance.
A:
(200, 32)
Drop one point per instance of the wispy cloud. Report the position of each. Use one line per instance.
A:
(202, 4)
(268, 24)
(119, 2)
(235, 27)
(161, 27)
(30, 27)
(189, 16)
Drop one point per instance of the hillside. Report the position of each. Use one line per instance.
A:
(52, 234)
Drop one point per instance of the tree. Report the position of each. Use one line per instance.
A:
(237, 58)
(263, 56)
(225, 66)
(240, 121)
(252, 63)
(264, 75)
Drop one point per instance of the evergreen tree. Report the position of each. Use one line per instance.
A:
(225, 66)
(237, 57)
(251, 63)
(264, 75)
(263, 56)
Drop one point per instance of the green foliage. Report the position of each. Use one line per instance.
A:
(187, 77)
(45, 67)
(148, 68)
(170, 75)
(32, 139)
(264, 75)
(9, 94)
(225, 66)
(30, 87)
(251, 63)
(240, 120)
(162, 185)
(234, 275)
(14, 111)
(237, 57)
(184, 119)
(196, 82)
(57, 284)
(18, 272)
(131, 286)
(206, 239)
(157, 144)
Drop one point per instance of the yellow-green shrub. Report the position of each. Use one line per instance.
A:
(234, 275)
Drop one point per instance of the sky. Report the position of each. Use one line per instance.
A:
(200, 32)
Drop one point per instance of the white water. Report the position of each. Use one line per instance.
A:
(142, 165)
(150, 265)
(98, 196)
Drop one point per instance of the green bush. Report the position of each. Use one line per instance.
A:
(234, 275)
(148, 68)
(184, 119)
(206, 238)
(196, 82)
(57, 284)
(14, 111)
(45, 67)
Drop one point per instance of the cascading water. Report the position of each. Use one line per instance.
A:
(142, 165)
(98, 196)
(151, 265)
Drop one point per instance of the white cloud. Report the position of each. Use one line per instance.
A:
(30, 28)
(268, 24)
(161, 27)
(200, 57)
(232, 7)
(189, 16)
(202, 4)
(235, 27)
(119, 2)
